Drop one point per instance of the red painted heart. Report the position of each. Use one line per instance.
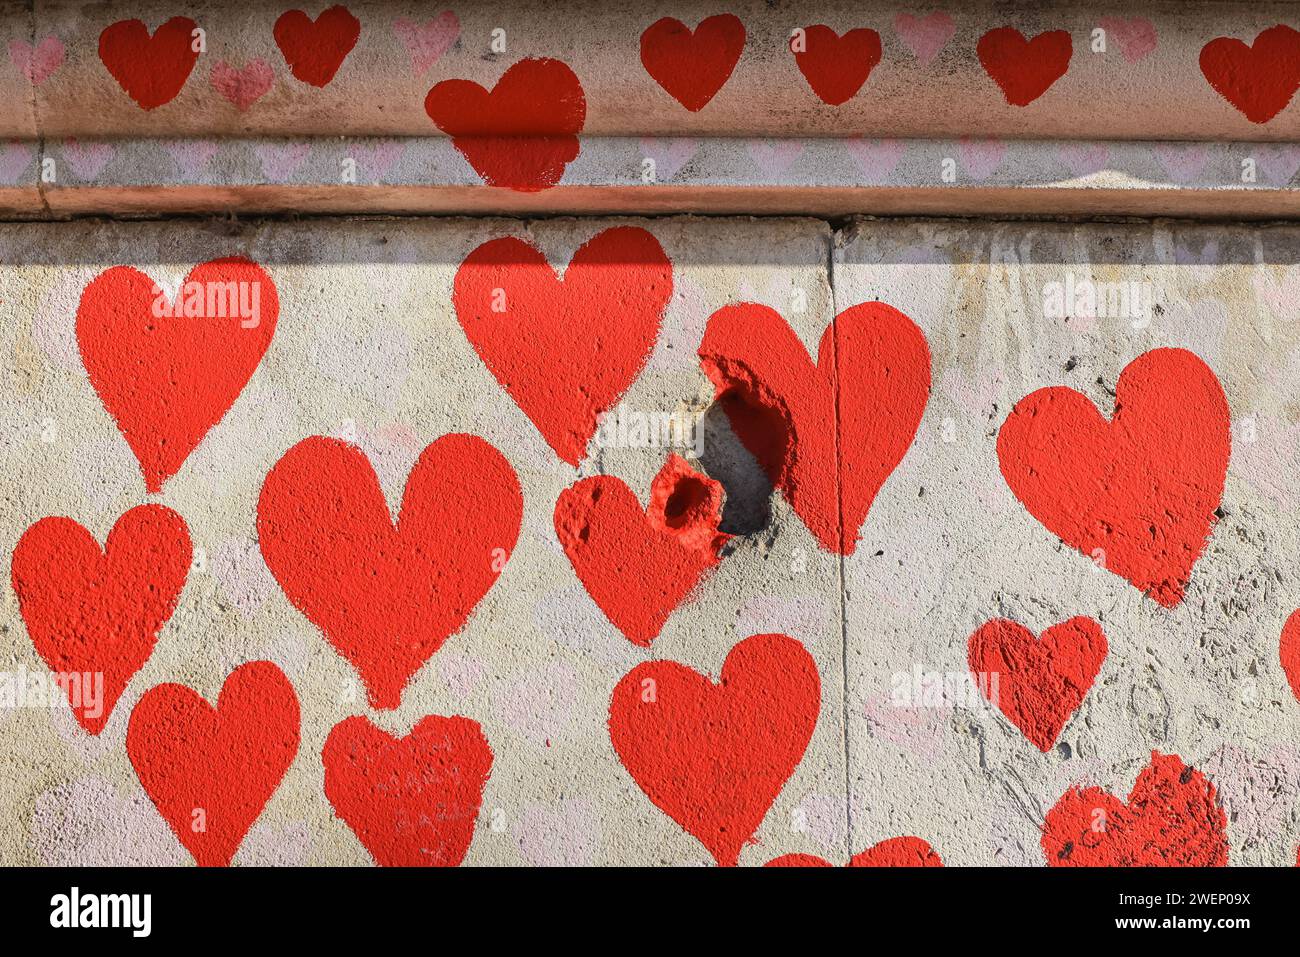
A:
(1172, 819)
(91, 612)
(411, 801)
(1289, 652)
(1137, 493)
(1258, 79)
(639, 565)
(151, 69)
(714, 757)
(1024, 69)
(836, 66)
(692, 66)
(565, 350)
(385, 594)
(894, 852)
(524, 132)
(1037, 684)
(210, 771)
(167, 371)
(315, 49)
(782, 407)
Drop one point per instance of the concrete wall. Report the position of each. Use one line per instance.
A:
(368, 347)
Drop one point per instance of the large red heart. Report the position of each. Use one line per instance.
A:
(784, 409)
(151, 69)
(210, 771)
(1037, 684)
(894, 852)
(411, 801)
(714, 757)
(388, 595)
(565, 350)
(836, 66)
(1289, 652)
(524, 132)
(1258, 79)
(91, 612)
(1172, 819)
(1138, 493)
(639, 565)
(167, 371)
(316, 49)
(1024, 69)
(692, 66)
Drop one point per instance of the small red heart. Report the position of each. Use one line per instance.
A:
(783, 408)
(316, 49)
(692, 66)
(894, 852)
(714, 757)
(565, 349)
(167, 380)
(151, 69)
(1037, 684)
(524, 132)
(1172, 819)
(411, 801)
(210, 771)
(836, 66)
(1024, 69)
(639, 565)
(385, 594)
(1259, 79)
(1289, 652)
(1137, 493)
(93, 612)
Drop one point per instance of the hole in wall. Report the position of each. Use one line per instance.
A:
(747, 508)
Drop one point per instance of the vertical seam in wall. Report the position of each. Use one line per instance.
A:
(831, 240)
(36, 116)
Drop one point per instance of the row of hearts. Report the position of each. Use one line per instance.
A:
(693, 65)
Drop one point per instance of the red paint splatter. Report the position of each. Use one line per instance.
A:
(836, 66)
(167, 380)
(782, 407)
(387, 595)
(1024, 69)
(210, 771)
(524, 132)
(714, 757)
(1037, 683)
(93, 611)
(1137, 493)
(894, 852)
(411, 801)
(693, 65)
(1172, 819)
(151, 69)
(639, 565)
(315, 49)
(1258, 79)
(565, 349)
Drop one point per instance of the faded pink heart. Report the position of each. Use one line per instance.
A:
(280, 162)
(670, 154)
(924, 36)
(980, 158)
(242, 87)
(374, 160)
(1183, 162)
(1083, 159)
(1279, 162)
(1136, 36)
(39, 62)
(565, 835)
(88, 159)
(191, 155)
(427, 42)
(774, 157)
(15, 157)
(876, 158)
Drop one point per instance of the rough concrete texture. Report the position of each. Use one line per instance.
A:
(1205, 70)
(851, 722)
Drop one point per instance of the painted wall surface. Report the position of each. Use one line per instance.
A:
(656, 656)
